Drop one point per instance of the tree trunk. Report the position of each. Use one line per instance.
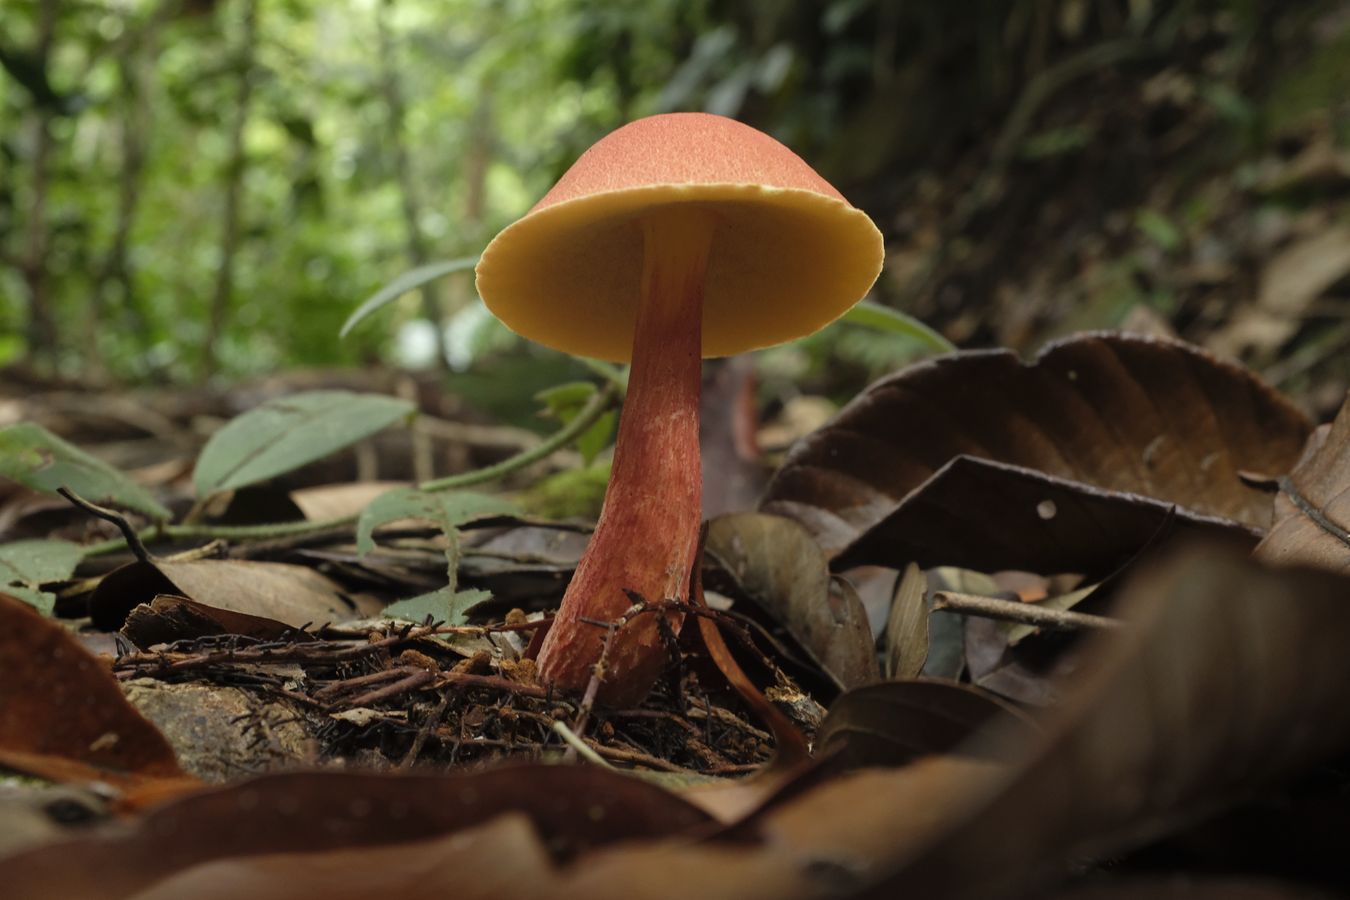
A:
(234, 188)
(116, 271)
(41, 332)
(407, 183)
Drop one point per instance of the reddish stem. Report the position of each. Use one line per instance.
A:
(647, 534)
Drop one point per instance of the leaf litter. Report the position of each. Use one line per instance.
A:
(436, 728)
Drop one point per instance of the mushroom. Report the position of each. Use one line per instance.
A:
(676, 237)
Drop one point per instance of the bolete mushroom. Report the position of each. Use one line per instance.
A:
(673, 238)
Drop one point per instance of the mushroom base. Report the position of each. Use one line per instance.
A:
(647, 534)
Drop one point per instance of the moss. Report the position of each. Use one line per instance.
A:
(574, 493)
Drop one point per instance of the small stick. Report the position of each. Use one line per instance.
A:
(577, 747)
(414, 681)
(1022, 613)
(128, 533)
(592, 688)
(422, 733)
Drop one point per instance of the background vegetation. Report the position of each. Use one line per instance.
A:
(198, 188)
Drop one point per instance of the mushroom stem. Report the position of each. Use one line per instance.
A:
(647, 534)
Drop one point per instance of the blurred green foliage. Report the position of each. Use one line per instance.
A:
(209, 187)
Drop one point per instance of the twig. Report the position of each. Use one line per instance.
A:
(577, 747)
(636, 757)
(412, 682)
(494, 682)
(425, 731)
(128, 533)
(597, 676)
(1022, 613)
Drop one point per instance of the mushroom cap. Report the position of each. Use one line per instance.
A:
(789, 254)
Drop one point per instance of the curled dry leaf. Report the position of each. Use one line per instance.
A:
(1209, 695)
(1312, 510)
(291, 595)
(776, 564)
(1128, 426)
(167, 618)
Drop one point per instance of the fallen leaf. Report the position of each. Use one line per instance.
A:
(907, 627)
(459, 865)
(292, 595)
(58, 702)
(1118, 414)
(1312, 510)
(168, 618)
(336, 501)
(777, 565)
(1290, 282)
(1208, 695)
(895, 723)
(573, 809)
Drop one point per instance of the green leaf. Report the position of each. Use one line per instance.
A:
(447, 510)
(35, 562)
(565, 402)
(445, 605)
(36, 458)
(408, 281)
(883, 318)
(284, 434)
(26, 565)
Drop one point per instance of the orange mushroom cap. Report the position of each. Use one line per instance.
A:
(789, 254)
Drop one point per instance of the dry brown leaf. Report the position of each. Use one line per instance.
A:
(899, 722)
(907, 626)
(332, 501)
(777, 565)
(292, 595)
(1120, 415)
(63, 716)
(1289, 284)
(573, 809)
(1312, 510)
(502, 858)
(1210, 694)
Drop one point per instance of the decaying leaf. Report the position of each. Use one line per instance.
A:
(572, 808)
(292, 595)
(168, 618)
(60, 704)
(907, 626)
(900, 721)
(1312, 510)
(1209, 694)
(1144, 424)
(777, 565)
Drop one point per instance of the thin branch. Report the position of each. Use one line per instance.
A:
(128, 533)
(577, 747)
(1022, 613)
